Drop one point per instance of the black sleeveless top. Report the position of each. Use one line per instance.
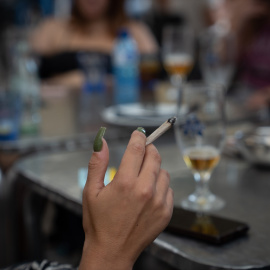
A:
(63, 62)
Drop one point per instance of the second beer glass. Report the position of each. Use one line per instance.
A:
(200, 135)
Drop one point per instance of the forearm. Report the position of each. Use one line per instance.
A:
(94, 258)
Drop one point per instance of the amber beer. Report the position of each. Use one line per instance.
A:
(149, 70)
(180, 64)
(201, 159)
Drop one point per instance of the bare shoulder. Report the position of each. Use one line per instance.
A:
(143, 36)
(45, 37)
(51, 26)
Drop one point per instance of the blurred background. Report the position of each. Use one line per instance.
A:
(69, 66)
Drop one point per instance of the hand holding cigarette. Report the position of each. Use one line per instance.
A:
(160, 130)
(116, 218)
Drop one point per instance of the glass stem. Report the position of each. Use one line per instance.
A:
(178, 81)
(202, 180)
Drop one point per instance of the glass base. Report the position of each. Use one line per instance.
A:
(202, 203)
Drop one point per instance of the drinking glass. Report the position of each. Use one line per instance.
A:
(10, 113)
(92, 98)
(149, 70)
(200, 135)
(177, 52)
(217, 55)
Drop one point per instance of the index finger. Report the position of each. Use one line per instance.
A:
(133, 158)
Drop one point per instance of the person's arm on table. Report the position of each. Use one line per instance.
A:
(124, 217)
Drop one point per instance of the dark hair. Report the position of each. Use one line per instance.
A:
(116, 15)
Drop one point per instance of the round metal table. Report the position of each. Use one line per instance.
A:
(245, 189)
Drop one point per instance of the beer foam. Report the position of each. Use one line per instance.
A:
(202, 152)
(178, 58)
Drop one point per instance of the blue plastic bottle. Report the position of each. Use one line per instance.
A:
(125, 69)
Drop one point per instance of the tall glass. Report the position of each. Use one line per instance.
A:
(177, 53)
(149, 70)
(200, 135)
(92, 98)
(217, 55)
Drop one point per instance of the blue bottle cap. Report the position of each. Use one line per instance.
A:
(123, 33)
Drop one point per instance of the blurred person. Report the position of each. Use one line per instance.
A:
(121, 219)
(161, 16)
(92, 27)
(249, 20)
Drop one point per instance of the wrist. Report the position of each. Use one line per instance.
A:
(100, 258)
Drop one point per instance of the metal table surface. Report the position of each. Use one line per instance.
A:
(244, 188)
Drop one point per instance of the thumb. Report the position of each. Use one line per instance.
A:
(97, 168)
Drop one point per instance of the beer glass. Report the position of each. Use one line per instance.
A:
(177, 52)
(217, 55)
(200, 135)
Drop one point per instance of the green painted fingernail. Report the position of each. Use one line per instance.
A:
(98, 140)
(142, 130)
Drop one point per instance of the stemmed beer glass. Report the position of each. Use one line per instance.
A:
(177, 53)
(200, 134)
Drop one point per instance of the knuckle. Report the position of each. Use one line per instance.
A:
(124, 183)
(155, 154)
(159, 203)
(137, 148)
(157, 157)
(154, 174)
(167, 215)
(164, 179)
(165, 174)
(146, 193)
(93, 164)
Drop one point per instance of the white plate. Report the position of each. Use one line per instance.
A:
(135, 114)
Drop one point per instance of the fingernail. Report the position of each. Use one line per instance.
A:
(142, 130)
(98, 140)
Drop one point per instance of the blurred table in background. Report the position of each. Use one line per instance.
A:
(244, 188)
(69, 122)
(63, 126)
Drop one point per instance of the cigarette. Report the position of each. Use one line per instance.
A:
(160, 130)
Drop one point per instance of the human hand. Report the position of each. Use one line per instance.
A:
(121, 219)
